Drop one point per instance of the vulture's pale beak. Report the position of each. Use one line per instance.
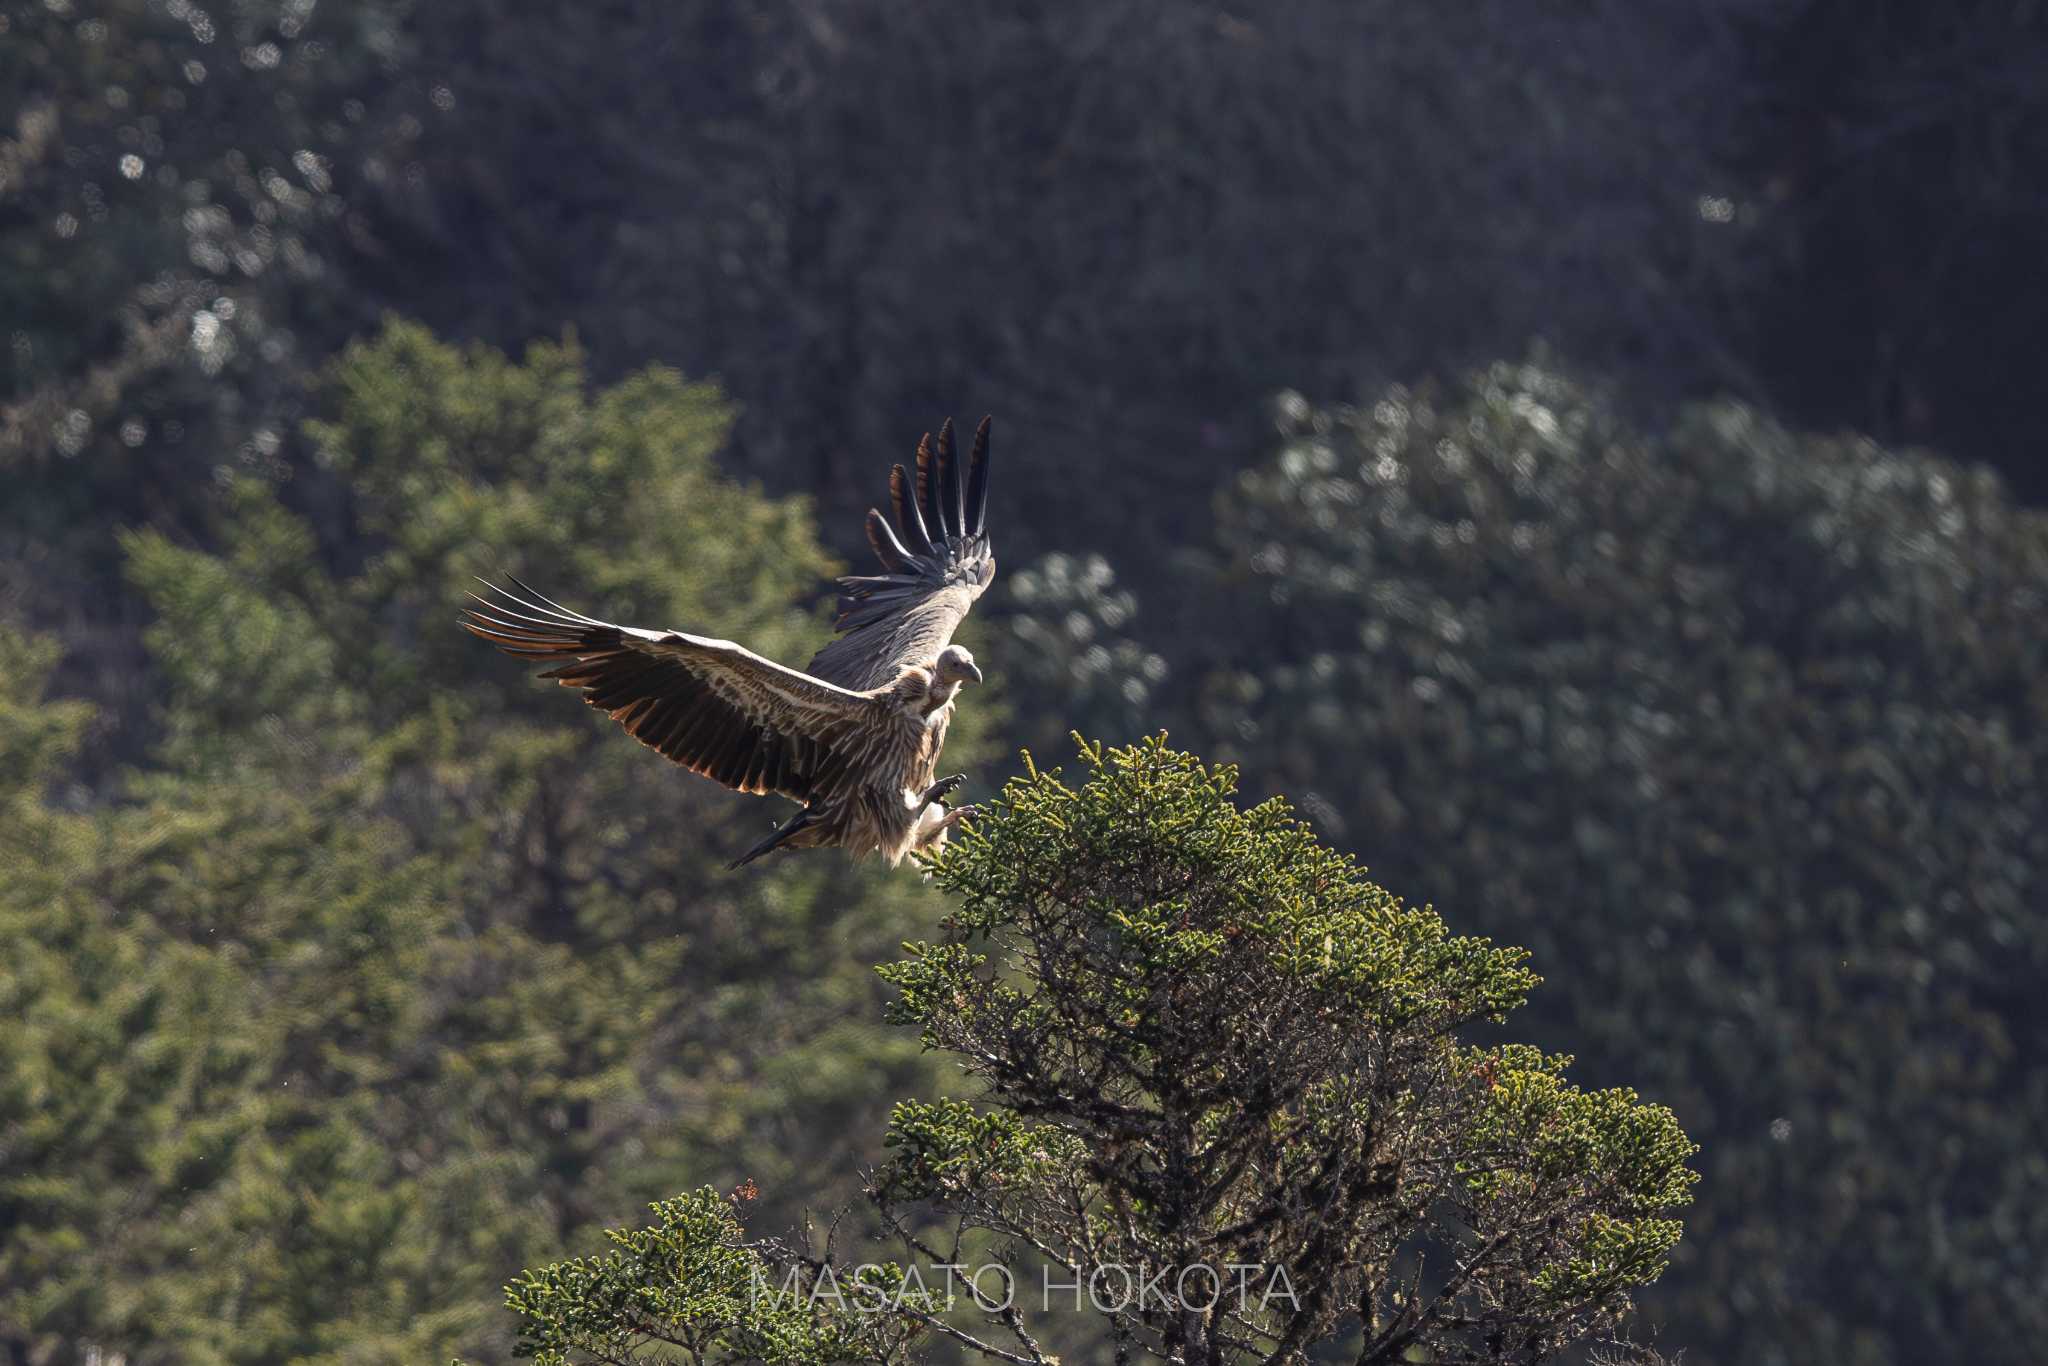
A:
(973, 674)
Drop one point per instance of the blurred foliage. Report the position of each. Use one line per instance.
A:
(1744, 733)
(1067, 642)
(392, 970)
(1122, 224)
(1207, 1042)
(183, 238)
(168, 186)
(1117, 223)
(1893, 151)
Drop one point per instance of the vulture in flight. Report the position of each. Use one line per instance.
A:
(856, 736)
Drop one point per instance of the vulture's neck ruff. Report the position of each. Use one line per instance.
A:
(921, 692)
(939, 696)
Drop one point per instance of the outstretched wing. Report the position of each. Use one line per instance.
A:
(936, 561)
(712, 706)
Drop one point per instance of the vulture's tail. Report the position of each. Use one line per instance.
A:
(802, 820)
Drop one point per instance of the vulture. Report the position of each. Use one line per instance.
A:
(856, 735)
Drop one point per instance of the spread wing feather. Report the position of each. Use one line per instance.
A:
(712, 706)
(936, 560)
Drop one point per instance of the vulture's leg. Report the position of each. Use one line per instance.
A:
(932, 827)
(802, 820)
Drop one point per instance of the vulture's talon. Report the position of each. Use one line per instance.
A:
(943, 788)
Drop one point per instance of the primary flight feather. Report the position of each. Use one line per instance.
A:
(856, 737)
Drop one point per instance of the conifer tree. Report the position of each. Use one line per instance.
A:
(1223, 1109)
(389, 973)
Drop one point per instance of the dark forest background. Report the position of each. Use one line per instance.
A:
(1586, 457)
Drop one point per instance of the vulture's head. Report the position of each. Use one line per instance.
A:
(955, 666)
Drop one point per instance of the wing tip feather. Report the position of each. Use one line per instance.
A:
(908, 519)
(977, 479)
